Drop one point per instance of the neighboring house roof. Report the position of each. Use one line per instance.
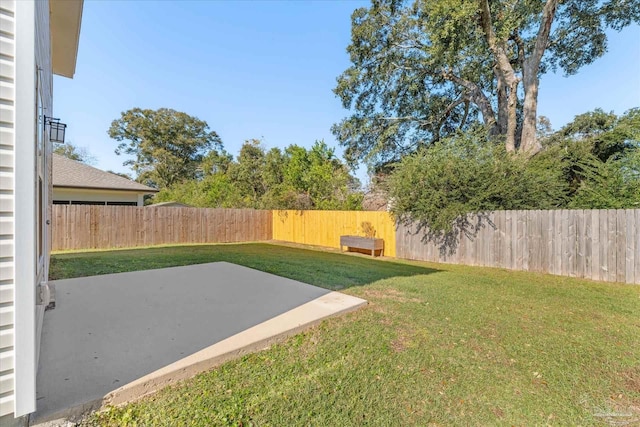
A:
(71, 174)
(171, 204)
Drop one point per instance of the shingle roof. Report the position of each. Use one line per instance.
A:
(69, 173)
(171, 204)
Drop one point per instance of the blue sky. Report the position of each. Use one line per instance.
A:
(261, 69)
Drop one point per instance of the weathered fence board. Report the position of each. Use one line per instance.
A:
(637, 248)
(594, 244)
(104, 227)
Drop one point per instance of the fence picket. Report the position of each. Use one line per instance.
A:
(612, 245)
(621, 245)
(587, 244)
(631, 252)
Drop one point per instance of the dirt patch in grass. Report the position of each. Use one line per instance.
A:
(499, 413)
(632, 379)
(385, 320)
(401, 343)
(388, 294)
(408, 336)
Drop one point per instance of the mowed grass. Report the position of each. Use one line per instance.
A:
(437, 345)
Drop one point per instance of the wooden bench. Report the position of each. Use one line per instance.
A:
(366, 243)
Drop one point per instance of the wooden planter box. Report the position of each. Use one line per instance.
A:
(364, 243)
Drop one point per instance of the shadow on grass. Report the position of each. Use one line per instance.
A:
(325, 269)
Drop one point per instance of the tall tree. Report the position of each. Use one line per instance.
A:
(215, 161)
(604, 134)
(425, 68)
(167, 145)
(318, 179)
(598, 155)
(293, 178)
(247, 172)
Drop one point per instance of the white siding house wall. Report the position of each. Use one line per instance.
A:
(26, 403)
(91, 195)
(25, 43)
(7, 192)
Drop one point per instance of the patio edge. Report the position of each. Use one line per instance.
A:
(256, 338)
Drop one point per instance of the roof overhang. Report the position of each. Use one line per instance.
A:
(65, 19)
(119, 190)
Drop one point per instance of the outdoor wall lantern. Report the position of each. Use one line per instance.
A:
(56, 129)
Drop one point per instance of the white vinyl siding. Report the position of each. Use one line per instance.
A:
(26, 82)
(90, 195)
(25, 42)
(7, 191)
(44, 161)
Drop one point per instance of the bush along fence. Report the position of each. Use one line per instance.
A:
(594, 244)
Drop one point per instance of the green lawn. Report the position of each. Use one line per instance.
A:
(437, 345)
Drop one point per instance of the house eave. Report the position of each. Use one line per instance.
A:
(65, 19)
(130, 190)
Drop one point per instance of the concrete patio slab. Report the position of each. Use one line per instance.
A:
(117, 337)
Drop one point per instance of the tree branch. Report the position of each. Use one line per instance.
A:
(548, 14)
(402, 67)
(496, 47)
(520, 48)
(453, 105)
(403, 118)
(416, 44)
(447, 112)
(476, 96)
(466, 114)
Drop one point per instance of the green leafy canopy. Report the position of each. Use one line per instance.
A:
(167, 146)
(293, 178)
(424, 69)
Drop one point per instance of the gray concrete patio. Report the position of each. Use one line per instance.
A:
(115, 337)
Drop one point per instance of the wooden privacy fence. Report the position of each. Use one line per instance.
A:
(324, 228)
(594, 244)
(103, 227)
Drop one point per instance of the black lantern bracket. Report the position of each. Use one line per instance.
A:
(56, 129)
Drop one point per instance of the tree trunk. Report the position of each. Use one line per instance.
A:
(502, 101)
(529, 143)
(512, 117)
(506, 76)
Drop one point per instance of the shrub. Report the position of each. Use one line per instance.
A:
(466, 173)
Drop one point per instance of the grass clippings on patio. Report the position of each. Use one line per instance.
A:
(438, 345)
